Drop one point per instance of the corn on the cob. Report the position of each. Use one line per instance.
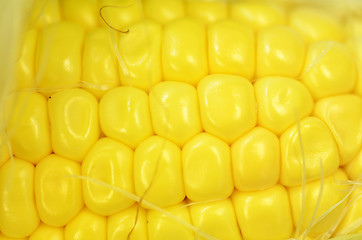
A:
(211, 119)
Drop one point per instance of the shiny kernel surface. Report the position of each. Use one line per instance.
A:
(231, 48)
(256, 160)
(74, 123)
(111, 162)
(320, 150)
(174, 111)
(207, 168)
(58, 195)
(99, 62)
(255, 209)
(227, 106)
(58, 56)
(157, 169)
(28, 126)
(202, 111)
(18, 213)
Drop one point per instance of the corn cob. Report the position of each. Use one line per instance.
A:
(177, 119)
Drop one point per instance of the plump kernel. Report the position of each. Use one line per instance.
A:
(79, 45)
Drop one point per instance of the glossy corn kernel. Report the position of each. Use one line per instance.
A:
(180, 119)
(57, 207)
(73, 118)
(17, 198)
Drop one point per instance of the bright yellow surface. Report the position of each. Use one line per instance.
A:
(281, 101)
(163, 11)
(264, 215)
(58, 196)
(58, 57)
(4, 150)
(111, 162)
(158, 172)
(25, 65)
(227, 106)
(46, 12)
(120, 14)
(131, 123)
(207, 168)
(83, 12)
(256, 14)
(74, 123)
(217, 219)
(119, 225)
(161, 227)
(174, 111)
(280, 51)
(329, 69)
(140, 52)
(343, 115)
(231, 48)
(256, 160)
(100, 70)
(18, 213)
(86, 226)
(315, 24)
(28, 126)
(355, 47)
(332, 193)
(45, 232)
(319, 149)
(354, 167)
(184, 56)
(206, 10)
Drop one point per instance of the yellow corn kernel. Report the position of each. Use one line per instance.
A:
(231, 48)
(256, 160)
(354, 26)
(227, 106)
(164, 11)
(158, 173)
(319, 148)
(315, 24)
(120, 225)
(264, 215)
(73, 116)
(111, 162)
(281, 101)
(207, 168)
(174, 111)
(280, 51)
(343, 115)
(184, 56)
(332, 193)
(354, 167)
(86, 226)
(131, 123)
(45, 13)
(256, 14)
(329, 69)
(28, 126)
(45, 232)
(140, 52)
(120, 14)
(100, 70)
(162, 227)
(18, 213)
(216, 219)
(25, 65)
(4, 150)
(355, 47)
(206, 10)
(58, 196)
(58, 57)
(351, 223)
(83, 12)
(3, 237)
